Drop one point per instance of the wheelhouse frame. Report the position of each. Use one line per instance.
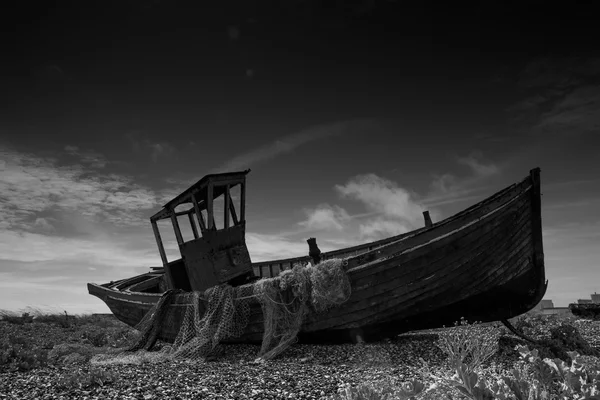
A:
(214, 254)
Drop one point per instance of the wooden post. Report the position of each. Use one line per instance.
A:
(209, 207)
(161, 249)
(232, 210)
(313, 251)
(226, 208)
(198, 214)
(176, 229)
(193, 224)
(428, 222)
(243, 203)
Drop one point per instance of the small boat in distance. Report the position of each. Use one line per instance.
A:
(485, 264)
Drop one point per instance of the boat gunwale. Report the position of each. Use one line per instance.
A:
(384, 243)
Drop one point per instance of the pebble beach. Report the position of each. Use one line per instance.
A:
(301, 372)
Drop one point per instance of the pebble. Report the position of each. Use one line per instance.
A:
(301, 372)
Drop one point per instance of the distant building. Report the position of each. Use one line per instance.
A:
(547, 304)
(556, 311)
(595, 298)
(546, 307)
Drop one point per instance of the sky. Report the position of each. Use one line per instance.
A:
(354, 119)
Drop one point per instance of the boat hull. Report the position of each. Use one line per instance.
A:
(484, 264)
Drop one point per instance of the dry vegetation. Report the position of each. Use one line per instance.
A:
(52, 357)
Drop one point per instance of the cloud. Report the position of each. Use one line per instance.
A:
(43, 225)
(157, 149)
(449, 187)
(380, 227)
(576, 110)
(104, 250)
(392, 210)
(563, 96)
(32, 185)
(383, 196)
(558, 73)
(286, 144)
(325, 217)
(266, 247)
(270, 247)
(91, 158)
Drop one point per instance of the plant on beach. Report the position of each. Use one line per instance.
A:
(17, 354)
(533, 378)
(464, 346)
(408, 391)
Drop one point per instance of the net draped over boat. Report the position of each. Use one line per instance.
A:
(223, 312)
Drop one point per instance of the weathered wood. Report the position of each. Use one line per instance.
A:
(389, 291)
(161, 249)
(243, 203)
(193, 225)
(186, 212)
(427, 217)
(313, 250)
(198, 213)
(232, 211)
(226, 207)
(483, 264)
(209, 207)
(176, 229)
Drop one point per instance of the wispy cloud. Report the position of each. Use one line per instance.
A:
(31, 186)
(286, 144)
(270, 247)
(449, 187)
(381, 227)
(382, 196)
(156, 149)
(392, 209)
(325, 217)
(90, 158)
(563, 96)
(577, 110)
(395, 209)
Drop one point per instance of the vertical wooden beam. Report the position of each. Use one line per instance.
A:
(209, 206)
(161, 249)
(271, 270)
(232, 211)
(427, 217)
(226, 208)
(193, 225)
(176, 229)
(243, 203)
(198, 213)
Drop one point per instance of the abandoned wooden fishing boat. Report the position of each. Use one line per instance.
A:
(485, 264)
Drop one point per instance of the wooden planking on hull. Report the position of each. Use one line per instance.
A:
(407, 303)
(382, 288)
(448, 248)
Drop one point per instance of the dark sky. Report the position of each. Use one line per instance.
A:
(354, 117)
(286, 61)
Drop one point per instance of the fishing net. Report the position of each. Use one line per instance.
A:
(222, 312)
(288, 298)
